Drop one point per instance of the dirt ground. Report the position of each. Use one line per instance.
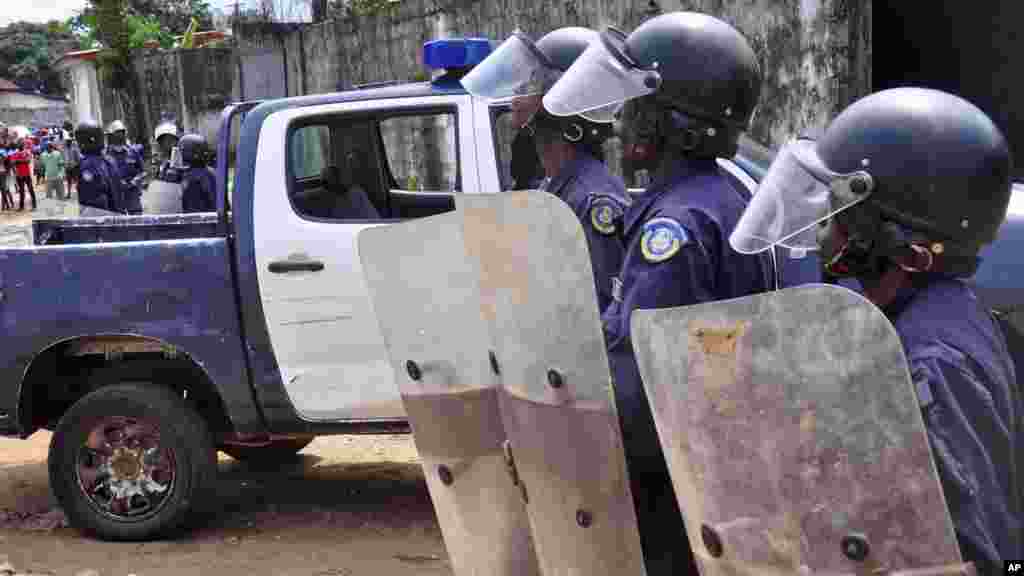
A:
(346, 506)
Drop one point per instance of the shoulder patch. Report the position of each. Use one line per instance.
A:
(87, 175)
(662, 238)
(602, 216)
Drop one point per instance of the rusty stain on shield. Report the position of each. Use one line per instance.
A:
(425, 293)
(541, 307)
(793, 436)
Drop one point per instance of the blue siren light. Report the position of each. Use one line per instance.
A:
(454, 53)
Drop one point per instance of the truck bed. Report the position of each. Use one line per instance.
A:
(63, 231)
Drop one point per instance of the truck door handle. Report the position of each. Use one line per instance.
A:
(284, 266)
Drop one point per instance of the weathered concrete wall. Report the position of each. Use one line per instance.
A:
(815, 54)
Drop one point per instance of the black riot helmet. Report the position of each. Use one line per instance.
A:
(692, 65)
(195, 151)
(90, 137)
(560, 49)
(563, 46)
(523, 70)
(909, 172)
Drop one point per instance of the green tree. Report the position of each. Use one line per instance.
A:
(27, 51)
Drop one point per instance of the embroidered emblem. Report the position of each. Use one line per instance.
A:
(87, 176)
(602, 216)
(662, 238)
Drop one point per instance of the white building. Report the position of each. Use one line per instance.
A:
(83, 85)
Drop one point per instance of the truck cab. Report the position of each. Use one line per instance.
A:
(354, 160)
(249, 329)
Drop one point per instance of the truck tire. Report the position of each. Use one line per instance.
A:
(276, 451)
(131, 461)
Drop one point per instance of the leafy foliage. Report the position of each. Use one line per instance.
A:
(28, 49)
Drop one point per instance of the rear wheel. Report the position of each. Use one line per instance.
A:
(131, 462)
(276, 451)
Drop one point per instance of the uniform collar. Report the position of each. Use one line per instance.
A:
(906, 295)
(683, 168)
(569, 170)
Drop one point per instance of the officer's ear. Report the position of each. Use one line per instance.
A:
(918, 259)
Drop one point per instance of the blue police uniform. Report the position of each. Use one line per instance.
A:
(198, 190)
(100, 185)
(676, 237)
(599, 200)
(964, 376)
(129, 165)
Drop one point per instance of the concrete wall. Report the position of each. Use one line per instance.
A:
(815, 54)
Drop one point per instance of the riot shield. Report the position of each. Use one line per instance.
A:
(538, 299)
(794, 437)
(162, 198)
(425, 293)
(497, 299)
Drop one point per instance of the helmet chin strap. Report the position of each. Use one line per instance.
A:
(871, 248)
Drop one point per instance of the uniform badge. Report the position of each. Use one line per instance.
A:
(87, 176)
(662, 238)
(602, 217)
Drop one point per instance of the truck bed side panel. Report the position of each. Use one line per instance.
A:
(178, 291)
(124, 228)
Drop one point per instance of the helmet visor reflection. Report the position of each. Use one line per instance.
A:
(516, 68)
(599, 82)
(794, 196)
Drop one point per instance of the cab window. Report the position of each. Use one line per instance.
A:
(421, 152)
(519, 166)
(378, 166)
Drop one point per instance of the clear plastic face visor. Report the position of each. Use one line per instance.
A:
(600, 81)
(796, 195)
(516, 68)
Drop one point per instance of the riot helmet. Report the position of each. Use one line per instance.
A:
(90, 137)
(117, 134)
(195, 151)
(701, 74)
(525, 70)
(166, 136)
(906, 172)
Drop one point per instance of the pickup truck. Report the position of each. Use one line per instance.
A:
(147, 343)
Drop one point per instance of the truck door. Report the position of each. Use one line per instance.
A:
(323, 174)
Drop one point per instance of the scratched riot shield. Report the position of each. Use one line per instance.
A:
(537, 297)
(425, 293)
(794, 437)
(162, 197)
(495, 305)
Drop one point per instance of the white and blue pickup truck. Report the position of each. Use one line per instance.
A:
(146, 343)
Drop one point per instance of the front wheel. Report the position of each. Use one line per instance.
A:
(131, 462)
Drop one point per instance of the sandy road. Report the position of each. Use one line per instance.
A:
(347, 506)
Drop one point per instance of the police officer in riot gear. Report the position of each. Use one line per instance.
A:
(569, 148)
(129, 166)
(99, 190)
(166, 137)
(901, 192)
(198, 184)
(691, 83)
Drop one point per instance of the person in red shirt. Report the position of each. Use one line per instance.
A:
(22, 161)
